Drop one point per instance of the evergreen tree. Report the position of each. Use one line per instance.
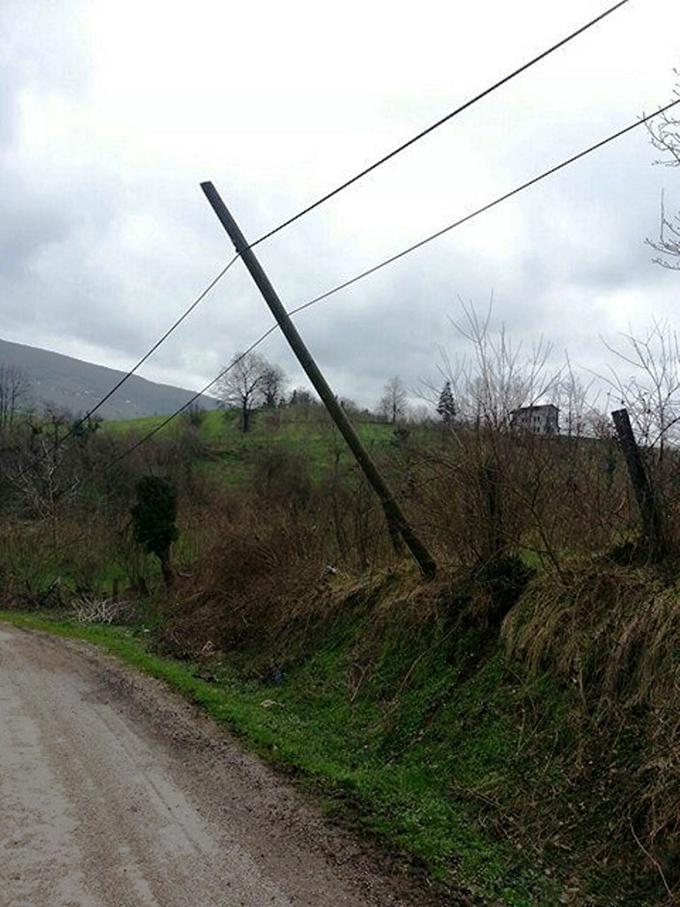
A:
(446, 407)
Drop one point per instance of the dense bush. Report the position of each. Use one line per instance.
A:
(154, 520)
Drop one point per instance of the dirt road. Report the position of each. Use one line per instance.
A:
(115, 792)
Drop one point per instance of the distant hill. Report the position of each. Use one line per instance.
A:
(76, 386)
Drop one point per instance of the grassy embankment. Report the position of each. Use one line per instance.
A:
(496, 780)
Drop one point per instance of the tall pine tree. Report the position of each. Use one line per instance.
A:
(446, 407)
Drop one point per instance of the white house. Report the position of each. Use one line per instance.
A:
(541, 420)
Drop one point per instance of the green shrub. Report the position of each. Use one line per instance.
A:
(154, 520)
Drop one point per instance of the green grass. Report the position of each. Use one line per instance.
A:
(141, 425)
(231, 454)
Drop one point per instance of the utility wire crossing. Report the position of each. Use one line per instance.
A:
(354, 179)
(201, 296)
(193, 398)
(412, 248)
(445, 119)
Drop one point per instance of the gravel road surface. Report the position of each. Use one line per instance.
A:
(113, 791)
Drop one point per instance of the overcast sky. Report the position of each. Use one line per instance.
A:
(111, 113)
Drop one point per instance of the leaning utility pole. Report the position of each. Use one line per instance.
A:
(396, 521)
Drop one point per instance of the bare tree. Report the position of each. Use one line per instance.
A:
(244, 385)
(273, 386)
(394, 400)
(14, 387)
(350, 406)
(577, 403)
(652, 393)
(42, 474)
(665, 135)
(302, 396)
(498, 375)
(421, 414)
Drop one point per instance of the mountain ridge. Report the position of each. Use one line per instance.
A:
(77, 385)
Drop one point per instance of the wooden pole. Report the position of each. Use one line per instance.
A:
(396, 521)
(493, 516)
(651, 516)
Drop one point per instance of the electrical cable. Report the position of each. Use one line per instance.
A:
(546, 173)
(346, 184)
(445, 119)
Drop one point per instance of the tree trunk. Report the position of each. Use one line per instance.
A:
(245, 417)
(166, 568)
(493, 515)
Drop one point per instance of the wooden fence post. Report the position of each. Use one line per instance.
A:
(652, 523)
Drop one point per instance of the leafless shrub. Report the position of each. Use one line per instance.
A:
(14, 393)
(283, 476)
(577, 402)
(491, 494)
(664, 131)
(350, 508)
(88, 609)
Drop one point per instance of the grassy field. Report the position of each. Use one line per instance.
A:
(233, 453)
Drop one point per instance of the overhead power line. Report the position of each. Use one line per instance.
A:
(483, 209)
(201, 296)
(349, 182)
(412, 248)
(193, 398)
(445, 119)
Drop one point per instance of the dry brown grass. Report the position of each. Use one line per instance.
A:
(615, 634)
(261, 570)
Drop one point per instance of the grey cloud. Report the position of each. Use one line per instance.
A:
(103, 247)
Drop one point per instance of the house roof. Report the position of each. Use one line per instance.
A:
(534, 409)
